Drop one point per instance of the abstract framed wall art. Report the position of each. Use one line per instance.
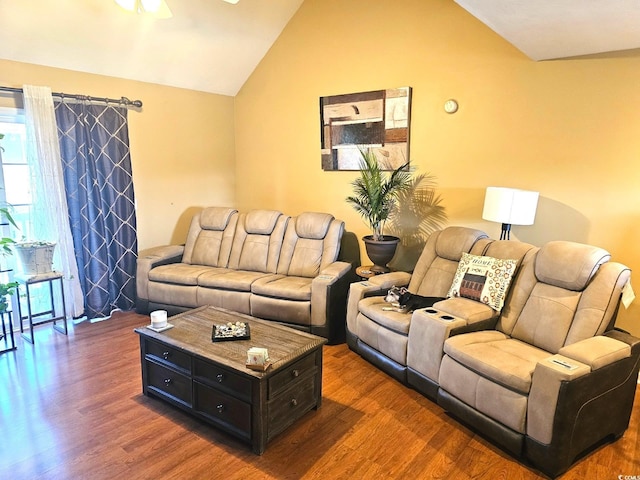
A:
(379, 120)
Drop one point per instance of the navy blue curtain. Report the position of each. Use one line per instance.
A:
(94, 144)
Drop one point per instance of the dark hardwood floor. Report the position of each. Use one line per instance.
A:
(72, 408)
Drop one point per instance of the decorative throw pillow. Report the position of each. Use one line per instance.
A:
(484, 279)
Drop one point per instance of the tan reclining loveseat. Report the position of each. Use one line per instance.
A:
(262, 263)
(547, 377)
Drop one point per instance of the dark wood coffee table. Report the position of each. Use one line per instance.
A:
(211, 381)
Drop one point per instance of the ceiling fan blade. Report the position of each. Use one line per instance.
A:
(156, 8)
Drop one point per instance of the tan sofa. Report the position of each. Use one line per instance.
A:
(381, 336)
(547, 378)
(262, 263)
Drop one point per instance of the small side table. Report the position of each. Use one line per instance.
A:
(365, 272)
(30, 280)
(7, 342)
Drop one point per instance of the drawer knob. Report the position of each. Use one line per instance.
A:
(220, 377)
(294, 402)
(165, 355)
(220, 408)
(295, 373)
(167, 382)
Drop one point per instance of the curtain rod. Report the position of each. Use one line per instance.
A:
(123, 100)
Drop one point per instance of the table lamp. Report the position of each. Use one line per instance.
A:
(509, 206)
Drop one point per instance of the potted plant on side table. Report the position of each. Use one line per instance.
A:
(375, 194)
(36, 257)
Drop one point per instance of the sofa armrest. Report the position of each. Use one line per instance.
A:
(329, 301)
(574, 405)
(388, 280)
(596, 352)
(148, 259)
(427, 333)
(625, 337)
(545, 387)
(374, 286)
(469, 310)
(571, 362)
(431, 327)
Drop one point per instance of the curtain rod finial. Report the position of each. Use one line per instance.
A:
(135, 103)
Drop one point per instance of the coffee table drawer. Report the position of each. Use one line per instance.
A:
(169, 383)
(223, 409)
(291, 405)
(168, 354)
(287, 375)
(222, 379)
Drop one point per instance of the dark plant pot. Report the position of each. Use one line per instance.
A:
(381, 252)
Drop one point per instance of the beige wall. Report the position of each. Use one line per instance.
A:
(182, 144)
(569, 129)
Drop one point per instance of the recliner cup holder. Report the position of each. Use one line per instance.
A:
(434, 312)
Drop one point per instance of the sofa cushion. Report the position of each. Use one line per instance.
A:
(494, 355)
(257, 242)
(433, 274)
(179, 273)
(285, 287)
(453, 241)
(261, 222)
(484, 279)
(311, 243)
(372, 308)
(215, 218)
(281, 309)
(596, 312)
(494, 400)
(387, 341)
(569, 265)
(313, 225)
(547, 316)
(226, 279)
(306, 258)
(210, 237)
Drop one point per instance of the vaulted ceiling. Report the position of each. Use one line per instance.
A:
(208, 45)
(550, 29)
(213, 46)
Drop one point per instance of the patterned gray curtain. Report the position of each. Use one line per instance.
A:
(94, 144)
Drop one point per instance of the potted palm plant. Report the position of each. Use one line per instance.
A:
(375, 195)
(36, 257)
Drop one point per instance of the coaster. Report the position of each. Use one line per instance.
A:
(161, 329)
(259, 368)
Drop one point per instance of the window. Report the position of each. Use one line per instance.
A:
(15, 184)
(15, 193)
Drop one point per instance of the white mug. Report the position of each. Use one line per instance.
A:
(159, 318)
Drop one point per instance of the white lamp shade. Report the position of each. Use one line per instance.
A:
(510, 205)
